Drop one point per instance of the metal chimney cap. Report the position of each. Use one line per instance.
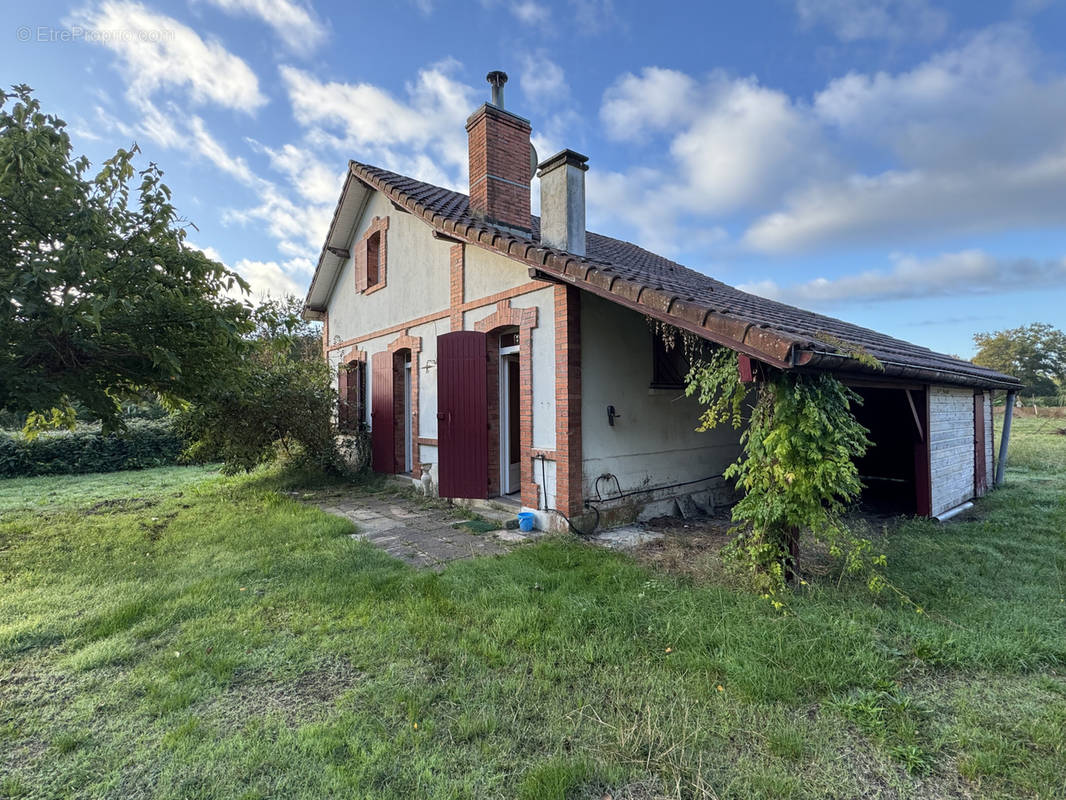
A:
(497, 79)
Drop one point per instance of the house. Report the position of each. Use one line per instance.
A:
(514, 357)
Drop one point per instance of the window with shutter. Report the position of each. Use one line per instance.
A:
(351, 390)
(370, 257)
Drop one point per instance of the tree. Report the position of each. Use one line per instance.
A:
(1035, 354)
(104, 299)
(279, 397)
(797, 467)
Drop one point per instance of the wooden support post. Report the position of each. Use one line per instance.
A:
(1008, 415)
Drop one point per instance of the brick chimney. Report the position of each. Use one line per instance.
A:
(500, 168)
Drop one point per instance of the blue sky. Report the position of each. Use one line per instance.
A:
(897, 163)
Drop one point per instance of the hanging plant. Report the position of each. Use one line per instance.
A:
(797, 468)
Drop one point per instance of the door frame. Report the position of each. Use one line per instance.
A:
(509, 482)
(408, 448)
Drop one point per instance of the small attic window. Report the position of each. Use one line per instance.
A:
(371, 257)
(669, 366)
(373, 260)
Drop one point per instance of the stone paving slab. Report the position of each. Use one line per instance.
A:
(422, 537)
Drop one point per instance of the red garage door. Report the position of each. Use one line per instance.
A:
(462, 414)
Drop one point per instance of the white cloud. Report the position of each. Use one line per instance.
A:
(274, 278)
(308, 175)
(977, 139)
(967, 272)
(733, 145)
(422, 134)
(293, 22)
(656, 100)
(852, 20)
(157, 52)
(529, 11)
(914, 204)
(745, 145)
(543, 81)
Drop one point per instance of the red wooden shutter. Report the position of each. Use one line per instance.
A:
(980, 478)
(343, 412)
(462, 415)
(359, 259)
(381, 435)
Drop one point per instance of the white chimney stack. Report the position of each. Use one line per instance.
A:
(562, 201)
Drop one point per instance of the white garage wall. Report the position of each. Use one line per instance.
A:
(951, 430)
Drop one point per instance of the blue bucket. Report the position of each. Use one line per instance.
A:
(525, 521)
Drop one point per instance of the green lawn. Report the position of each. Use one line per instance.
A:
(212, 638)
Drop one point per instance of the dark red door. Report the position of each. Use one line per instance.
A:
(462, 415)
(980, 478)
(383, 450)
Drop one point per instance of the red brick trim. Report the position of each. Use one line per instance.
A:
(568, 488)
(427, 442)
(353, 355)
(505, 316)
(325, 334)
(457, 279)
(396, 347)
(471, 305)
(525, 319)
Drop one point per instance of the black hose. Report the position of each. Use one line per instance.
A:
(570, 525)
(632, 492)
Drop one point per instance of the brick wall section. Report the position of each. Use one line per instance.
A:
(525, 319)
(951, 446)
(458, 285)
(399, 348)
(325, 334)
(568, 484)
(499, 167)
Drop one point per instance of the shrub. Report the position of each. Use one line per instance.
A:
(144, 443)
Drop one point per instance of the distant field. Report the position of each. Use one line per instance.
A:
(176, 634)
(1037, 443)
(61, 491)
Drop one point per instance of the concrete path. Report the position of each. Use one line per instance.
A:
(420, 534)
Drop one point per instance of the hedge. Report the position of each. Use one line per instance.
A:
(145, 443)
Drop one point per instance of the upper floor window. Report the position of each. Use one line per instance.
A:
(370, 257)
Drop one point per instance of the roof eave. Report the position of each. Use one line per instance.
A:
(836, 362)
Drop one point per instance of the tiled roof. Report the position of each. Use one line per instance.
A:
(774, 332)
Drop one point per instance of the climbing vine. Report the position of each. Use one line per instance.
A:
(797, 467)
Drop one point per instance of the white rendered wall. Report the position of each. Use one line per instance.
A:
(487, 272)
(417, 277)
(654, 442)
(418, 285)
(951, 454)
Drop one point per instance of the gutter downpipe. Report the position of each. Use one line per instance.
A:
(1008, 415)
